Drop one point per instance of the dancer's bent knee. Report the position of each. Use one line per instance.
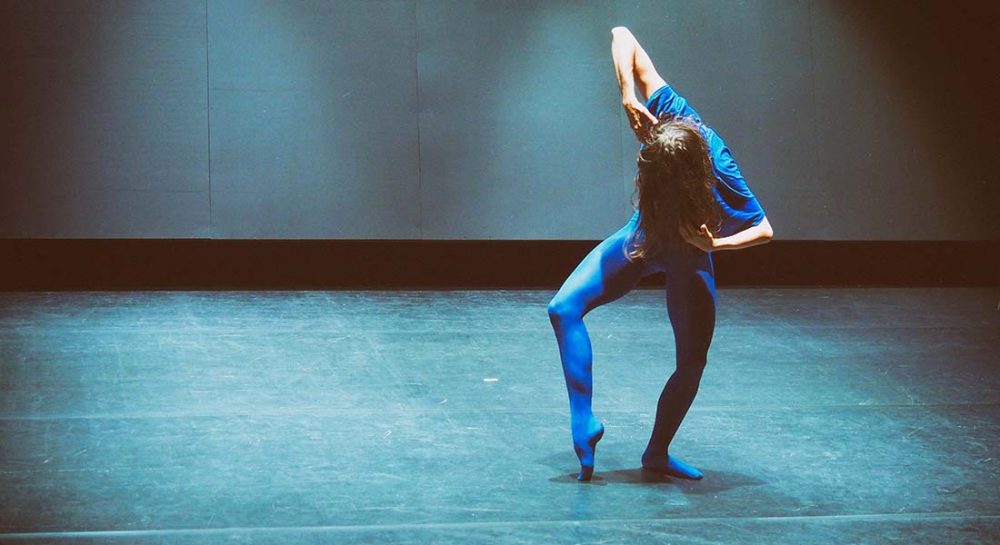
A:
(686, 380)
(563, 311)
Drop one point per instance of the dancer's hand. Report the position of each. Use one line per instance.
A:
(640, 119)
(701, 239)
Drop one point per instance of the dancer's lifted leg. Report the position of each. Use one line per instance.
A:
(603, 276)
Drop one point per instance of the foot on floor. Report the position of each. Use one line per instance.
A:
(671, 466)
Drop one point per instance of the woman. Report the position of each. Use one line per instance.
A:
(692, 200)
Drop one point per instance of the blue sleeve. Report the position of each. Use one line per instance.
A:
(740, 207)
(666, 101)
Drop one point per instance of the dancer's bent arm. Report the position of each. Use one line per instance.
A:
(633, 66)
(754, 236)
(751, 236)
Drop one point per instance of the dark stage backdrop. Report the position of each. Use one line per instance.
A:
(853, 120)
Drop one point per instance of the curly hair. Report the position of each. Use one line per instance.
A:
(673, 189)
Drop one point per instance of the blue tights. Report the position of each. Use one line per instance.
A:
(603, 276)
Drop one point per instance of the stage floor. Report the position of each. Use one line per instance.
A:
(824, 416)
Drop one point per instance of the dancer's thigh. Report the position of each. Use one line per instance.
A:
(691, 304)
(604, 275)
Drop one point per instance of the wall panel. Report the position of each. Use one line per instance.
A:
(314, 119)
(105, 119)
(519, 121)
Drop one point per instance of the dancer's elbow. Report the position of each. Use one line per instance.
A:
(766, 231)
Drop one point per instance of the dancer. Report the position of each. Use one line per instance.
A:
(691, 200)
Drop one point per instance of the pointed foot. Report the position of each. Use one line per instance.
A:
(586, 449)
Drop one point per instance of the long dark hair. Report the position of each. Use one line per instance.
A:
(673, 188)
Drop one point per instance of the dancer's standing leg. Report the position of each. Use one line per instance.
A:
(603, 276)
(691, 306)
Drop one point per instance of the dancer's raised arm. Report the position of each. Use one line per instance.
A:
(634, 68)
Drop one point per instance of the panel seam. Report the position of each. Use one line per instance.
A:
(416, 83)
(208, 128)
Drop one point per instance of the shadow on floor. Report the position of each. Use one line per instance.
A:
(713, 483)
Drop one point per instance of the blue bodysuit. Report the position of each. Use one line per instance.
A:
(606, 274)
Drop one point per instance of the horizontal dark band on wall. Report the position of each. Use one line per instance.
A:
(109, 264)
